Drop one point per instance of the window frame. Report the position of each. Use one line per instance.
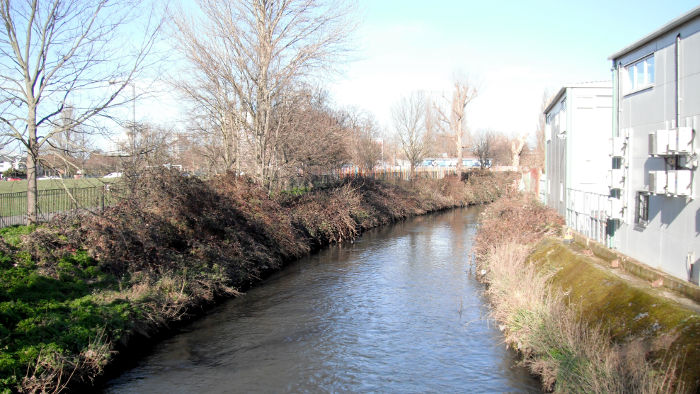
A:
(641, 208)
(630, 84)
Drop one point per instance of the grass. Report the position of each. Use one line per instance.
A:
(73, 291)
(52, 323)
(579, 328)
(45, 184)
(87, 194)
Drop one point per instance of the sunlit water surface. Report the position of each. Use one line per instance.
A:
(397, 311)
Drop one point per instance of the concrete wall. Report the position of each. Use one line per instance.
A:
(671, 238)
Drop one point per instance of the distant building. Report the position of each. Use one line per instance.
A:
(467, 162)
(577, 129)
(654, 178)
(8, 161)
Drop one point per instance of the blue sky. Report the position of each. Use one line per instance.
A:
(513, 50)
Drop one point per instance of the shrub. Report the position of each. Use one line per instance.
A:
(567, 352)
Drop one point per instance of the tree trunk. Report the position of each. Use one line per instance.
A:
(32, 155)
(459, 149)
(32, 217)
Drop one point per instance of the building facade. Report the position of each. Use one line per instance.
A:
(654, 179)
(576, 162)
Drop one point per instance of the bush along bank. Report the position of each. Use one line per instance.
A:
(576, 324)
(77, 291)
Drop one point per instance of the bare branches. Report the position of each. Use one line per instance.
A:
(59, 52)
(409, 116)
(463, 93)
(250, 56)
(482, 146)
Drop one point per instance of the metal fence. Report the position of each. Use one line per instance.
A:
(587, 213)
(13, 206)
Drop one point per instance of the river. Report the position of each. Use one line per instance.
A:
(395, 311)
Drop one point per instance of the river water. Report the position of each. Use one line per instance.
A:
(397, 311)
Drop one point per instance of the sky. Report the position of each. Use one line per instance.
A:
(513, 51)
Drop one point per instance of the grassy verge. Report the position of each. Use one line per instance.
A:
(578, 327)
(45, 184)
(86, 193)
(76, 291)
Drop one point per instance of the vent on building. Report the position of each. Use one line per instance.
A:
(615, 208)
(657, 182)
(669, 142)
(684, 140)
(680, 182)
(616, 178)
(618, 146)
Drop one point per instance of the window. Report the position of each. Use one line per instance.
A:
(639, 75)
(641, 216)
(616, 163)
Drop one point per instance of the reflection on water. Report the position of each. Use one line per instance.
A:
(394, 312)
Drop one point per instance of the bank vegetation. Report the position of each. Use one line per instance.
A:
(77, 293)
(577, 325)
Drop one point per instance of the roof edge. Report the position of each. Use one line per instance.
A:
(688, 16)
(555, 100)
(585, 85)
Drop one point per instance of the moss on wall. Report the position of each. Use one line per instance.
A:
(631, 310)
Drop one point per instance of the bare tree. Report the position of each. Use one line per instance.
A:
(482, 146)
(58, 52)
(314, 137)
(67, 152)
(539, 133)
(254, 52)
(516, 149)
(148, 145)
(367, 144)
(409, 116)
(464, 93)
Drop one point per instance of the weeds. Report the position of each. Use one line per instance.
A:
(568, 353)
(73, 290)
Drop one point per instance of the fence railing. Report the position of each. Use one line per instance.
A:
(13, 206)
(587, 213)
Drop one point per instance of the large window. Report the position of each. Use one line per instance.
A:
(639, 75)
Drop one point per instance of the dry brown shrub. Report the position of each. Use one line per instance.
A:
(568, 353)
(520, 219)
(166, 222)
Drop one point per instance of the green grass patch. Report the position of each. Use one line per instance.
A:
(56, 317)
(45, 184)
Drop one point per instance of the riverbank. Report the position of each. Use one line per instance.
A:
(577, 324)
(77, 292)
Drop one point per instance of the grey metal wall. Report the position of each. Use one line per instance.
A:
(671, 239)
(556, 157)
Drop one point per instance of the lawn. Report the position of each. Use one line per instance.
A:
(44, 184)
(88, 193)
